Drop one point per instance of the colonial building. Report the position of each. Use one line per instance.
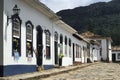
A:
(32, 35)
(104, 51)
(95, 51)
(116, 54)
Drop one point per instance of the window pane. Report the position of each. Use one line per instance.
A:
(29, 32)
(16, 41)
(48, 54)
(29, 40)
(29, 49)
(65, 46)
(61, 44)
(61, 39)
(56, 36)
(16, 28)
(118, 55)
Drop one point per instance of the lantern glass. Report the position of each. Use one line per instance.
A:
(16, 10)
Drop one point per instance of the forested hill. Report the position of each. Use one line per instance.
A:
(101, 18)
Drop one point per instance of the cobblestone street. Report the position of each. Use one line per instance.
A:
(100, 71)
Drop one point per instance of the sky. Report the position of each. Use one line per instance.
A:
(57, 5)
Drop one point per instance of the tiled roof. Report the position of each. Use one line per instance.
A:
(89, 34)
(116, 48)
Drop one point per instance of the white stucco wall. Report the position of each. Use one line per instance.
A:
(104, 49)
(25, 15)
(83, 53)
(37, 18)
(110, 50)
(95, 53)
(67, 60)
(91, 53)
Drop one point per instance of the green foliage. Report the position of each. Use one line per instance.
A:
(101, 18)
(61, 55)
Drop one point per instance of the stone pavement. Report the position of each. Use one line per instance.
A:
(45, 73)
(100, 71)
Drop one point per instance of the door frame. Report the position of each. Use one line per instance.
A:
(73, 53)
(56, 52)
(39, 45)
(114, 57)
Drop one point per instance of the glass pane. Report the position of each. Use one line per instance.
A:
(56, 36)
(16, 28)
(48, 45)
(47, 52)
(65, 40)
(29, 49)
(118, 55)
(16, 46)
(47, 38)
(16, 41)
(61, 39)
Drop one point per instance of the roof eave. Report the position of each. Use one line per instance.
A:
(42, 8)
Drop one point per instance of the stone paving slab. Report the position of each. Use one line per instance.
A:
(100, 71)
(45, 73)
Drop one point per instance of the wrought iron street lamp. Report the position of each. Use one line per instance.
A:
(16, 11)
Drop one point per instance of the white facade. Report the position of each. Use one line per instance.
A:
(43, 24)
(106, 50)
(36, 37)
(105, 45)
(116, 54)
(110, 50)
(95, 53)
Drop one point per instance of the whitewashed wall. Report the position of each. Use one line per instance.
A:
(37, 18)
(104, 49)
(67, 60)
(110, 50)
(97, 56)
(91, 53)
(83, 53)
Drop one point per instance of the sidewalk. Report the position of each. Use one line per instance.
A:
(45, 73)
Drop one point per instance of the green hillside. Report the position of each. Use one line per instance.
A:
(101, 18)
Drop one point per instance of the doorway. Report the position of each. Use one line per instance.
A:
(56, 53)
(73, 53)
(56, 47)
(113, 57)
(39, 46)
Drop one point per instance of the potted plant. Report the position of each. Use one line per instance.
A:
(60, 59)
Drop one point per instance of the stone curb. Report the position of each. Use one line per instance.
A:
(47, 73)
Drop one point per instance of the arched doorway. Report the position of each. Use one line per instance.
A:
(56, 47)
(39, 45)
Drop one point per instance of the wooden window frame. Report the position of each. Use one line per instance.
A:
(56, 36)
(65, 45)
(48, 44)
(16, 18)
(29, 41)
(70, 47)
(61, 43)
